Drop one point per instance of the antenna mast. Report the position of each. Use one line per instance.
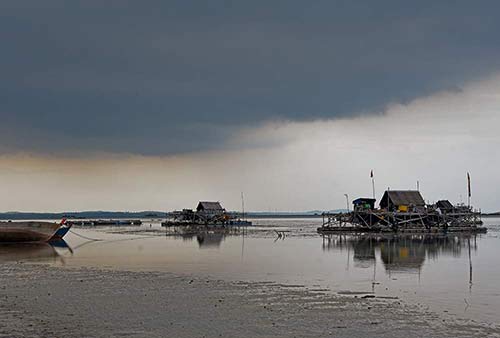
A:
(373, 183)
(242, 206)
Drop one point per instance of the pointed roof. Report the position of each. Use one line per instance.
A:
(209, 206)
(444, 205)
(402, 197)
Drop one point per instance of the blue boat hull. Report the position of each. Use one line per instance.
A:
(61, 232)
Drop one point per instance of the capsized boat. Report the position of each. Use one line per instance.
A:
(27, 231)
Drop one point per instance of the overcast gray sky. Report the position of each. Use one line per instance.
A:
(196, 81)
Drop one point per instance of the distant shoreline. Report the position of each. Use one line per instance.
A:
(128, 215)
(81, 215)
(157, 214)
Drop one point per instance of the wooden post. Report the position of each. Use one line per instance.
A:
(468, 190)
(242, 207)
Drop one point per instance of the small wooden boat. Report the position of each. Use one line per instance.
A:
(27, 231)
(62, 231)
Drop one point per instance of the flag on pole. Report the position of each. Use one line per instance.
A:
(468, 183)
(371, 173)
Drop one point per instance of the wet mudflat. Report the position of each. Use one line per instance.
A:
(439, 279)
(45, 301)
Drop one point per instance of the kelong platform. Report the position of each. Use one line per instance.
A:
(381, 221)
(403, 211)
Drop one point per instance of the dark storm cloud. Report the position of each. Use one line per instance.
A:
(162, 77)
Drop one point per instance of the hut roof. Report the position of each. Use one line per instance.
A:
(444, 205)
(363, 200)
(212, 206)
(402, 197)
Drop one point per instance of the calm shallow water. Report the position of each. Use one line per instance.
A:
(456, 275)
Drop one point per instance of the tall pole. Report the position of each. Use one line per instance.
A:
(468, 190)
(373, 184)
(347, 201)
(242, 206)
(418, 186)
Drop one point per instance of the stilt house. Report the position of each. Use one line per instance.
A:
(210, 208)
(402, 200)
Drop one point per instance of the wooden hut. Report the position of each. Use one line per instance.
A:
(210, 212)
(402, 200)
(210, 207)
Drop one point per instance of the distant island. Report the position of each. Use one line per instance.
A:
(13, 215)
(291, 214)
(491, 214)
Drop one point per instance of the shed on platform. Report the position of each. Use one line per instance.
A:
(445, 206)
(401, 200)
(363, 203)
(210, 207)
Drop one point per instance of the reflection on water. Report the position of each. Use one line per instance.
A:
(454, 273)
(30, 252)
(210, 239)
(205, 238)
(60, 243)
(400, 253)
